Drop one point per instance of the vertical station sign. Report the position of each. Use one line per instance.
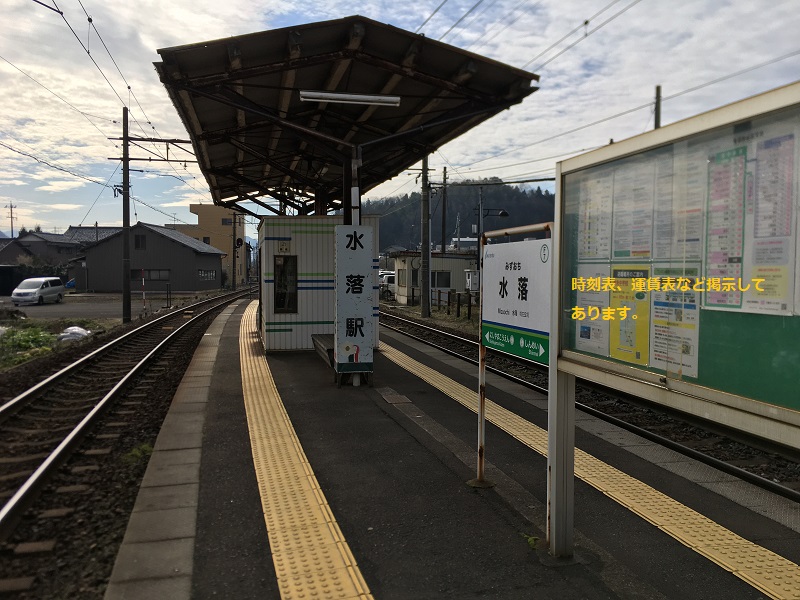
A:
(355, 323)
(515, 315)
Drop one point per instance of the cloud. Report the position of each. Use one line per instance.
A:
(61, 185)
(679, 44)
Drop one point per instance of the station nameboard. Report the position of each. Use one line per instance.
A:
(515, 315)
(355, 323)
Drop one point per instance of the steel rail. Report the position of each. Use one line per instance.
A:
(12, 405)
(737, 472)
(18, 503)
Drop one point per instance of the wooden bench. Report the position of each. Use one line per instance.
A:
(323, 344)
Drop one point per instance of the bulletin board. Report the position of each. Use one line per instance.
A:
(679, 252)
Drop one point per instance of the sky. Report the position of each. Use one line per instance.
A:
(64, 81)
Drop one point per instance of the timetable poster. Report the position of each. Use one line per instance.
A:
(679, 215)
(630, 331)
(751, 233)
(594, 216)
(591, 335)
(771, 239)
(725, 214)
(634, 192)
(675, 320)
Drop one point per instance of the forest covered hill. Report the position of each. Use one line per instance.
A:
(400, 216)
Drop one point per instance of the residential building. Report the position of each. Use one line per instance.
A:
(221, 227)
(166, 259)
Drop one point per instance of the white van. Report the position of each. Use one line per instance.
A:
(38, 290)
(387, 286)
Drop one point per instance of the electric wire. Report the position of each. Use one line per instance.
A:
(431, 16)
(583, 24)
(130, 91)
(643, 106)
(475, 45)
(464, 16)
(51, 164)
(72, 106)
(588, 33)
(119, 164)
(469, 23)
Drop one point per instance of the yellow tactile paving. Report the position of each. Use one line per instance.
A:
(770, 573)
(311, 557)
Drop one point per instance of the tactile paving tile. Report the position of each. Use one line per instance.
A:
(327, 583)
(311, 557)
(744, 557)
(778, 578)
(783, 584)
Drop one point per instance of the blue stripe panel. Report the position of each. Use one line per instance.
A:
(280, 239)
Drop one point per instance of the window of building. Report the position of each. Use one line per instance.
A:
(414, 277)
(440, 279)
(227, 221)
(401, 277)
(150, 274)
(140, 242)
(285, 296)
(207, 240)
(206, 274)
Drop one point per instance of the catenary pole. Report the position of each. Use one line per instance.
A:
(126, 222)
(425, 248)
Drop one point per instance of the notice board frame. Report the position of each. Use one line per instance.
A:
(730, 400)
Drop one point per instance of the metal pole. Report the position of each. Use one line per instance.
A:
(233, 254)
(480, 481)
(425, 248)
(444, 210)
(658, 107)
(355, 190)
(126, 222)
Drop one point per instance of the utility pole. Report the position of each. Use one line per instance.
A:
(658, 107)
(11, 208)
(425, 249)
(444, 210)
(126, 222)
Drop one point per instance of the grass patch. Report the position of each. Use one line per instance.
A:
(24, 339)
(140, 453)
(18, 345)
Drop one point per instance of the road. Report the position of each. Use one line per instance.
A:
(98, 306)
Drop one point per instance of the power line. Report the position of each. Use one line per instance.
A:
(588, 33)
(631, 110)
(464, 16)
(513, 21)
(51, 164)
(130, 91)
(431, 16)
(72, 106)
(583, 24)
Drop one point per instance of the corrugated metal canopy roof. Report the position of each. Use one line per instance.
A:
(256, 141)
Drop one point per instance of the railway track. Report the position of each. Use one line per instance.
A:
(751, 459)
(82, 433)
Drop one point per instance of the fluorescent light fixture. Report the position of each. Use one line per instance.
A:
(310, 96)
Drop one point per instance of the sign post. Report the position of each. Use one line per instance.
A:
(509, 319)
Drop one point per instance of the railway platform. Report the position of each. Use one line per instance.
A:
(268, 481)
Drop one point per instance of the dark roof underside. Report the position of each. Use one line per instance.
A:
(256, 141)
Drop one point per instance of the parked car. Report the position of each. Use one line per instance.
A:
(38, 290)
(386, 285)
